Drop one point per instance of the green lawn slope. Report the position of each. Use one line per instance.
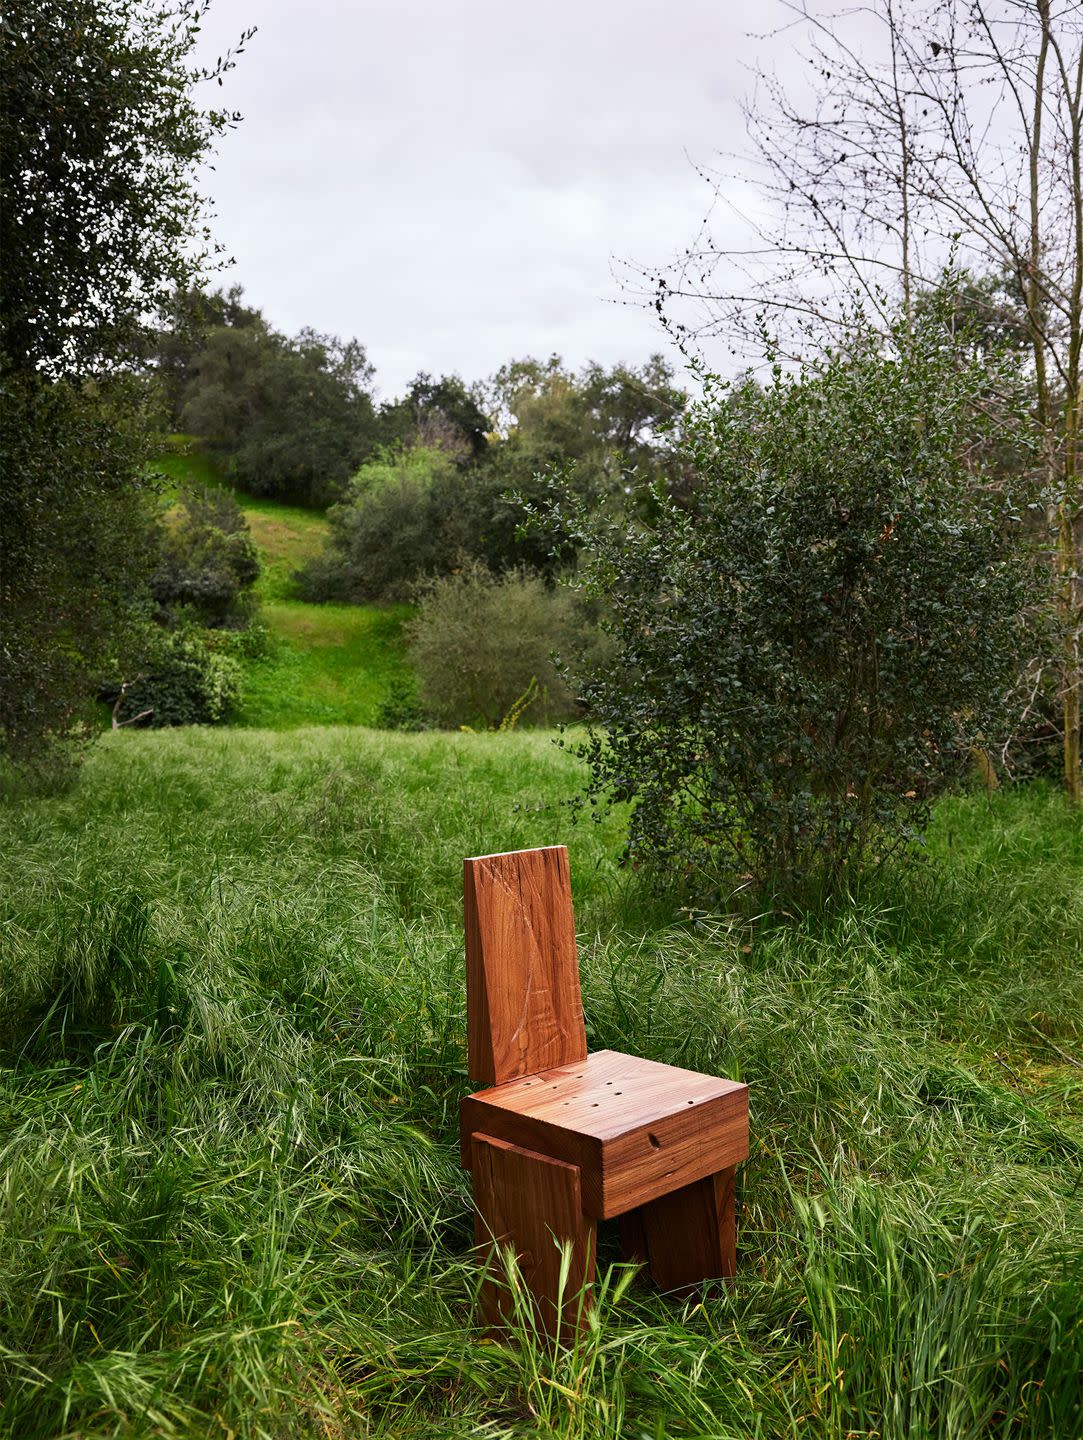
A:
(232, 1013)
(327, 664)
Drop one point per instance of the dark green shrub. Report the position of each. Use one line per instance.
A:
(443, 490)
(403, 520)
(482, 646)
(290, 418)
(803, 658)
(443, 411)
(183, 682)
(207, 561)
(104, 127)
(417, 514)
(254, 642)
(77, 545)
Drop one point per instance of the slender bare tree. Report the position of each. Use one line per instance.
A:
(929, 127)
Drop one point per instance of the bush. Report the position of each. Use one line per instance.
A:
(403, 520)
(401, 709)
(416, 514)
(803, 659)
(482, 646)
(184, 682)
(207, 561)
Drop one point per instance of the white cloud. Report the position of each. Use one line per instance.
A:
(450, 181)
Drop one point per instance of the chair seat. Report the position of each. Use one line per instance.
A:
(636, 1129)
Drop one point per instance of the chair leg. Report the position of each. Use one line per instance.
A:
(534, 1204)
(633, 1236)
(689, 1235)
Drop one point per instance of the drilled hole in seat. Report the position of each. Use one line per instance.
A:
(594, 1105)
(655, 1142)
(691, 1102)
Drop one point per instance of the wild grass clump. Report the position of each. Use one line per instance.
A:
(234, 1034)
(483, 644)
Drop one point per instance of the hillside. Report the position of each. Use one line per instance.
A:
(328, 664)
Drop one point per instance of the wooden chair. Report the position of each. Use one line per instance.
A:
(563, 1139)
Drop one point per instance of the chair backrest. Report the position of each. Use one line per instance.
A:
(523, 1003)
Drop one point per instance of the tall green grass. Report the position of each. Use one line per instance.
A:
(233, 1021)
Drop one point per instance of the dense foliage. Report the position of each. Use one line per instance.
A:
(206, 563)
(100, 137)
(435, 412)
(446, 492)
(482, 646)
(76, 552)
(179, 667)
(291, 418)
(617, 425)
(406, 515)
(182, 680)
(804, 656)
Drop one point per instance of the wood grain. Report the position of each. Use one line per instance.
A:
(634, 1128)
(691, 1233)
(524, 1008)
(561, 1139)
(532, 1203)
(633, 1236)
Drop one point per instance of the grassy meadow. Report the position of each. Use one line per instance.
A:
(233, 1022)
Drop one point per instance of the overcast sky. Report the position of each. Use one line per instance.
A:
(452, 181)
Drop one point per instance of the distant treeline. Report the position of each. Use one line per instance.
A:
(420, 484)
(294, 418)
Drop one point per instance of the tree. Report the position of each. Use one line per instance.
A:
(611, 430)
(206, 563)
(100, 135)
(415, 511)
(290, 418)
(77, 543)
(804, 655)
(957, 123)
(610, 422)
(192, 314)
(482, 647)
(100, 138)
(403, 520)
(442, 413)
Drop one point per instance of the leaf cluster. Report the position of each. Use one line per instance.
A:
(483, 645)
(77, 548)
(182, 681)
(804, 656)
(100, 136)
(207, 561)
(290, 417)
